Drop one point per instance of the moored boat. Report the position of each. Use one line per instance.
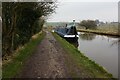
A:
(68, 32)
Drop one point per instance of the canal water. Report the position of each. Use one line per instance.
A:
(102, 49)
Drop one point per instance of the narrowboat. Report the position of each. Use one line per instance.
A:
(68, 32)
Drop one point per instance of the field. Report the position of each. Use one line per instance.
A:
(104, 29)
(55, 24)
(108, 27)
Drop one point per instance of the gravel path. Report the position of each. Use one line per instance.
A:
(47, 61)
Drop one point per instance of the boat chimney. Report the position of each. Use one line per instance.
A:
(74, 23)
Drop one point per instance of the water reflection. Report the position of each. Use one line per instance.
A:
(87, 36)
(115, 42)
(102, 49)
(73, 42)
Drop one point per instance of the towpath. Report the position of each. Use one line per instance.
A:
(47, 61)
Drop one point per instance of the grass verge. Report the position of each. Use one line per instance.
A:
(10, 69)
(101, 32)
(91, 68)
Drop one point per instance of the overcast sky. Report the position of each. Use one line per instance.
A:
(104, 10)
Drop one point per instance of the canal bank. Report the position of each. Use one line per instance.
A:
(107, 33)
(83, 63)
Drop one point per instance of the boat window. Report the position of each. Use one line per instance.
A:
(71, 24)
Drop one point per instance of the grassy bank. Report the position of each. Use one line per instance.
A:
(89, 67)
(101, 32)
(11, 68)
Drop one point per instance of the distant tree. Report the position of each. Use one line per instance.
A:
(97, 21)
(88, 24)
